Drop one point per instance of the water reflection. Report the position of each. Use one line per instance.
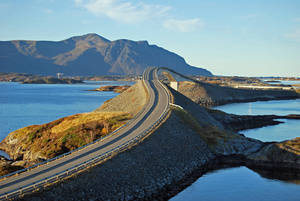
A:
(241, 183)
(284, 176)
(250, 109)
(288, 130)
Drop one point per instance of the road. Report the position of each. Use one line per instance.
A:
(157, 105)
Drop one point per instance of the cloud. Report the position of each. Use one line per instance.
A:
(132, 12)
(123, 11)
(188, 25)
(295, 36)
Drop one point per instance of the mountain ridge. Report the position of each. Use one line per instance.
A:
(89, 54)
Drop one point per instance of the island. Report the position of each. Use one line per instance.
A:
(37, 79)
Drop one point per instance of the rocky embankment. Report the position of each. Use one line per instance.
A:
(187, 145)
(190, 142)
(212, 95)
(242, 122)
(208, 95)
(32, 144)
(283, 155)
(36, 143)
(243, 150)
(7, 166)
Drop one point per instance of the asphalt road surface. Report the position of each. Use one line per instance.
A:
(157, 104)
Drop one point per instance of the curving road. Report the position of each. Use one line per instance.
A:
(157, 105)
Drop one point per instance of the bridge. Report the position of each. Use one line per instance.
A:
(154, 112)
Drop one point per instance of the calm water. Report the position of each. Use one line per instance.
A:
(278, 107)
(238, 184)
(242, 183)
(288, 130)
(27, 104)
(285, 82)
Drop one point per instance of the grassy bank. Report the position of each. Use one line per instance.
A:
(62, 135)
(210, 134)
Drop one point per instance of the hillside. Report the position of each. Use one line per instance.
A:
(34, 143)
(40, 142)
(88, 55)
(207, 94)
(190, 143)
(130, 101)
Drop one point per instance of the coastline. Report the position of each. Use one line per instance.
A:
(172, 178)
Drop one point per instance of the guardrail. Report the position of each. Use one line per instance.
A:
(93, 161)
(78, 149)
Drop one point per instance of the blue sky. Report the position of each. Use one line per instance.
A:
(228, 37)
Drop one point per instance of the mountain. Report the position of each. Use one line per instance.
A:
(89, 54)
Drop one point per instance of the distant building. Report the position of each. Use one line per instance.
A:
(59, 75)
(174, 85)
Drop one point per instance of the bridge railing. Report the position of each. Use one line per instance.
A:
(93, 161)
(77, 149)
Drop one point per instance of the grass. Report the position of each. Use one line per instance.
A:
(169, 76)
(68, 133)
(210, 134)
(291, 145)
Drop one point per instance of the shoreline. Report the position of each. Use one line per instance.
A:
(270, 120)
(216, 104)
(221, 163)
(168, 182)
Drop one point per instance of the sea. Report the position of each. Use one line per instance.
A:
(241, 183)
(27, 104)
(32, 104)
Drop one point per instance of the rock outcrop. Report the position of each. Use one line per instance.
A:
(116, 89)
(7, 166)
(150, 171)
(283, 155)
(242, 122)
(191, 141)
(213, 95)
(187, 145)
(208, 95)
(36, 143)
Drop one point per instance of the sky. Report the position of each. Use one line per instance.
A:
(227, 37)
